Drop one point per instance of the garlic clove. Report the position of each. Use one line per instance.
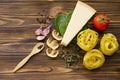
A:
(39, 31)
(56, 35)
(39, 38)
(46, 31)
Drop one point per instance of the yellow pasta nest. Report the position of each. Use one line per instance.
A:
(109, 44)
(93, 59)
(87, 39)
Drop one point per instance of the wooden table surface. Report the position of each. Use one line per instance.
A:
(17, 38)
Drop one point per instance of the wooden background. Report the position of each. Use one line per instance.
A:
(17, 26)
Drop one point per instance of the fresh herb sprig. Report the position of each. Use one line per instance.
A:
(71, 56)
(71, 59)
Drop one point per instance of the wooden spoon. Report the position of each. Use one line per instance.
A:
(37, 48)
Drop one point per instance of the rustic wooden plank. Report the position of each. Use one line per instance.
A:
(29, 8)
(9, 62)
(16, 48)
(30, 21)
(59, 0)
(37, 76)
(37, 67)
(43, 61)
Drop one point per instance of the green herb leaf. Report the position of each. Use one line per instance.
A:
(71, 59)
(68, 16)
(62, 28)
(61, 22)
(58, 20)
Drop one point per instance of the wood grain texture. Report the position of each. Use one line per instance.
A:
(17, 25)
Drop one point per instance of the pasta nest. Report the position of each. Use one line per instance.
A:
(87, 39)
(93, 59)
(109, 44)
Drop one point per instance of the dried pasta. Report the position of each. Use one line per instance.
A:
(109, 44)
(93, 59)
(87, 39)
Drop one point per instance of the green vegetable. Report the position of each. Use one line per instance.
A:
(61, 22)
(58, 20)
(62, 28)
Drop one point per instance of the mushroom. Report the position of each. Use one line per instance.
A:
(56, 35)
(52, 53)
(52, 43)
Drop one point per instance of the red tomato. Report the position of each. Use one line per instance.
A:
(101, 22)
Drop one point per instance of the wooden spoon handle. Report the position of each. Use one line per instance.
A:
(34, 51)
(21, 63)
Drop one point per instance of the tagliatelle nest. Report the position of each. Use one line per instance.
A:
(87, 39)
(109, 44)
(93, 59)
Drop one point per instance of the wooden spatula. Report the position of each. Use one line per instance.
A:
(37, 48)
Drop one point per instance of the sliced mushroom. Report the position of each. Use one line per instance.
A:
(52, 43)
(56, 35)
(52, 53)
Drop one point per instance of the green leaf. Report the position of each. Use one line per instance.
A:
(68, 16)
(61, 22)
(62, 28)
(58, 20)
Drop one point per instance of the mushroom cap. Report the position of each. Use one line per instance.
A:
(56, 35)
(52, 53)
(52, 43)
